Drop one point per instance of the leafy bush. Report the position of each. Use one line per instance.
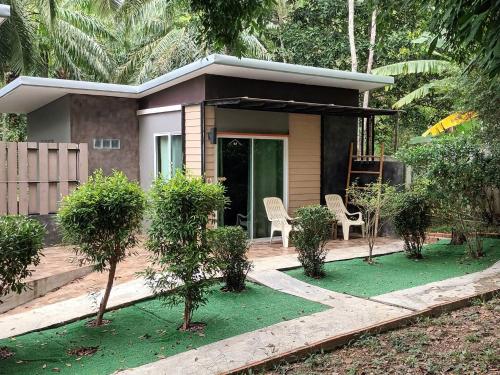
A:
(411, 221)
(21, 240)
(178, 239)
(103, 217)
(312, 230)
(230, 245)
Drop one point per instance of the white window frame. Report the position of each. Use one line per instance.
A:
(155, 143)
(110, 143)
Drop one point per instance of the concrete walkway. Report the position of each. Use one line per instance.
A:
(348, 317)
(127, 293)
(447, 291)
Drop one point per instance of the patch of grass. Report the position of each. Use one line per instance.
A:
(147, 331)
(395, 271)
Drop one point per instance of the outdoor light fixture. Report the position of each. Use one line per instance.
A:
(212, 135)
(4, 12)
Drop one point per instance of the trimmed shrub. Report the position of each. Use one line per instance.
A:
(411, 222)
(180, 210)
(103, 217)
(311, 233)
(21, 240)
(230, 245)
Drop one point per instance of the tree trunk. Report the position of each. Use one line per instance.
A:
(187, 315)
(457, 237)
(369, 65)
(352, 41)
(105, 298)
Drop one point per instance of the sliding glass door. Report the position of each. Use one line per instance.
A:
(252, 169)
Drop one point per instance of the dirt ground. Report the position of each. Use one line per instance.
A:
(465, 341)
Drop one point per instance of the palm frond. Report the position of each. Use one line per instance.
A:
(414, 67)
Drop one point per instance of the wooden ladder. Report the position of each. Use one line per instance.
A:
(361, 158)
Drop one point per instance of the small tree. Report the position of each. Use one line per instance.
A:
(178, 239)
(312, 231)
(103, 217)
(21, 240)
(411, 221)
(230, 246)
(376, 202)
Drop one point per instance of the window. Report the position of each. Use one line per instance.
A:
(168, 154)
(106, 144)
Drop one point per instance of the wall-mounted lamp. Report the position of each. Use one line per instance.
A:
(212, 135)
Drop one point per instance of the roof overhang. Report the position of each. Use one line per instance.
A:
(26, 94)
(4, 12)
(290, 106)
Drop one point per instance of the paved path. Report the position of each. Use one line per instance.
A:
(347, 317)
(126, 293)
(449, 290)
(239, 351)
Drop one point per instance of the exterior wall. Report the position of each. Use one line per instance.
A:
(188, 92)
(210, 149)
(107, 117)
(51, 123)
(217, 87)
(149, 125)
(245, 121)
(338, 133)
(192, 139)
(304, 161)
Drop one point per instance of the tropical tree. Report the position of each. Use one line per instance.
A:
(430, 67)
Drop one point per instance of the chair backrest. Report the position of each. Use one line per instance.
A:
(336, 205)
(275, 209)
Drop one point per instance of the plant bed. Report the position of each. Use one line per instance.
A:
(395, 271)
(148, 331)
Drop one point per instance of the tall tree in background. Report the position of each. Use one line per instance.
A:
(352, 39)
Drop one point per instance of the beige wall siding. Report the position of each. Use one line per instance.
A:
(210, 149)
(304, 160)
(192, 120)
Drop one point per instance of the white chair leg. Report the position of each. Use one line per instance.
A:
(345, 230)
(271, 237)
(284, 235)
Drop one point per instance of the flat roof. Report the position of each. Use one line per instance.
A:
(4, 12)
(26, 94)
(292, 106)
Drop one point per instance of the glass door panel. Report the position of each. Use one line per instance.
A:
(267, 180)
(233, 164)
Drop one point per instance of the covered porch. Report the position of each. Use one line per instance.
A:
(258, 148)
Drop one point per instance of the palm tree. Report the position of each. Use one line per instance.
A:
(61, 38)
(163, 35)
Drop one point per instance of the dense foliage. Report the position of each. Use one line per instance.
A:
(459, 172)
(312, 230)
(21, 240)
(411, 221)
(102, 218)
(230, 246)
(183, 264)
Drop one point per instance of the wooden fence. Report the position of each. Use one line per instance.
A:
(35, 176)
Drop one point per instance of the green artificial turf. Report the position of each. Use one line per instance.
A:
(395, 271)
(147, 331)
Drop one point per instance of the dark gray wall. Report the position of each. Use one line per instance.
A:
(51, 123)
(188, 92)
(149, 125)
(337, 132)
(244, 121)
(107, 117)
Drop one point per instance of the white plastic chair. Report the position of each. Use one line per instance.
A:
(279, 218)
(336, 205)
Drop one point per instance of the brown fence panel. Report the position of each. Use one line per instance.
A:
(34, 177)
